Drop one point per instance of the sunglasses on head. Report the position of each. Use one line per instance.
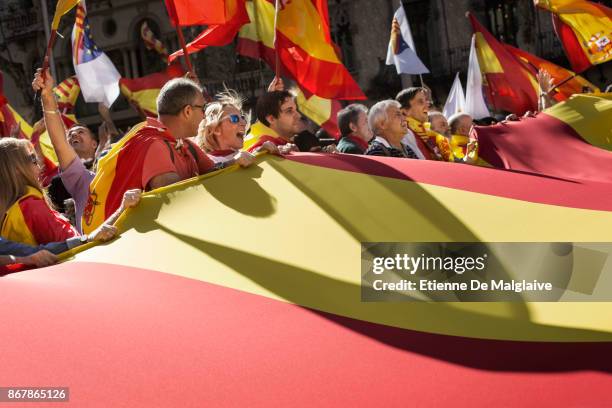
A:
(235, 118)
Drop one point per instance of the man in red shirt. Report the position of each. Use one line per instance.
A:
(154, 154)
(278, 111)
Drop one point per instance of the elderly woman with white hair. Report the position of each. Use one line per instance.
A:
(389, 127)
(221, 132)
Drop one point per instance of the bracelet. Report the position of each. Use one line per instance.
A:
(13, 259)
(52, 111)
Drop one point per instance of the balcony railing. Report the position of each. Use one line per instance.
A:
(23, 24)
(550, 45)
(249, 84)
(448, 62)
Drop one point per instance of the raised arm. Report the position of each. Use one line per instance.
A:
(53, 119)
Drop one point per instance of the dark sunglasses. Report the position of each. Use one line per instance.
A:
(236, 118)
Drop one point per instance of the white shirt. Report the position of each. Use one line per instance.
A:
(410, 141)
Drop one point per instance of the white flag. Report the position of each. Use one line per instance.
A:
(474, 99)
(98, 77)
(455, 102)
(401, 50)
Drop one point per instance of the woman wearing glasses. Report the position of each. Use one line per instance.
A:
(221, 132)
(24, 210)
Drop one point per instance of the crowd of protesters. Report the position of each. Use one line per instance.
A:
(42, 206)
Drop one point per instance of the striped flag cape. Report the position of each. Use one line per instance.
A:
(572, 140)
(142, 92)
(208, 299)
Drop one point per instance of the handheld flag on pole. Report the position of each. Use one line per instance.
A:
(402, 52)
(305, 50)
(567, 83)
(475, 103)
(256, 40)
(62, 7)
(584, 28)
(96, 73)
(509, 83)
(455, 102)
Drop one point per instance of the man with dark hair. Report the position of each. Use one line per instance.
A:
(354, 129)
(277, 111)
(415, 107)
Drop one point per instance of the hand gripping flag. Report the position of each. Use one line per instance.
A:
(585, 30)
(455, 102)
(402, 52)
(96, 73)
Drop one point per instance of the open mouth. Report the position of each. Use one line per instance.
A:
(240, 135)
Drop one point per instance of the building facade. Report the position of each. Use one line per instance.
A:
(361, 29)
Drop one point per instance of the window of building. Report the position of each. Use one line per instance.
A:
(340, 27)
(501, 15)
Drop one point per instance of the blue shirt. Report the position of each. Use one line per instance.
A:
(18, 249)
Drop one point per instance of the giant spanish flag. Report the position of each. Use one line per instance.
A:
(571, 83)
(584, 28)
(142, 92)
(508, 84)
(211, 299)
(572, 140)
(305, 50)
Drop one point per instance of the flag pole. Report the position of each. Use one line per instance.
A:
(48, 61)
(554, 88)
(181, 38)
(276, 56)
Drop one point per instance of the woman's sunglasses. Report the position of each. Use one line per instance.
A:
(236, 118)
(33, 158)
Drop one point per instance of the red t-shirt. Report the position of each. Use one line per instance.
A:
(159, 160)
(45, 224)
